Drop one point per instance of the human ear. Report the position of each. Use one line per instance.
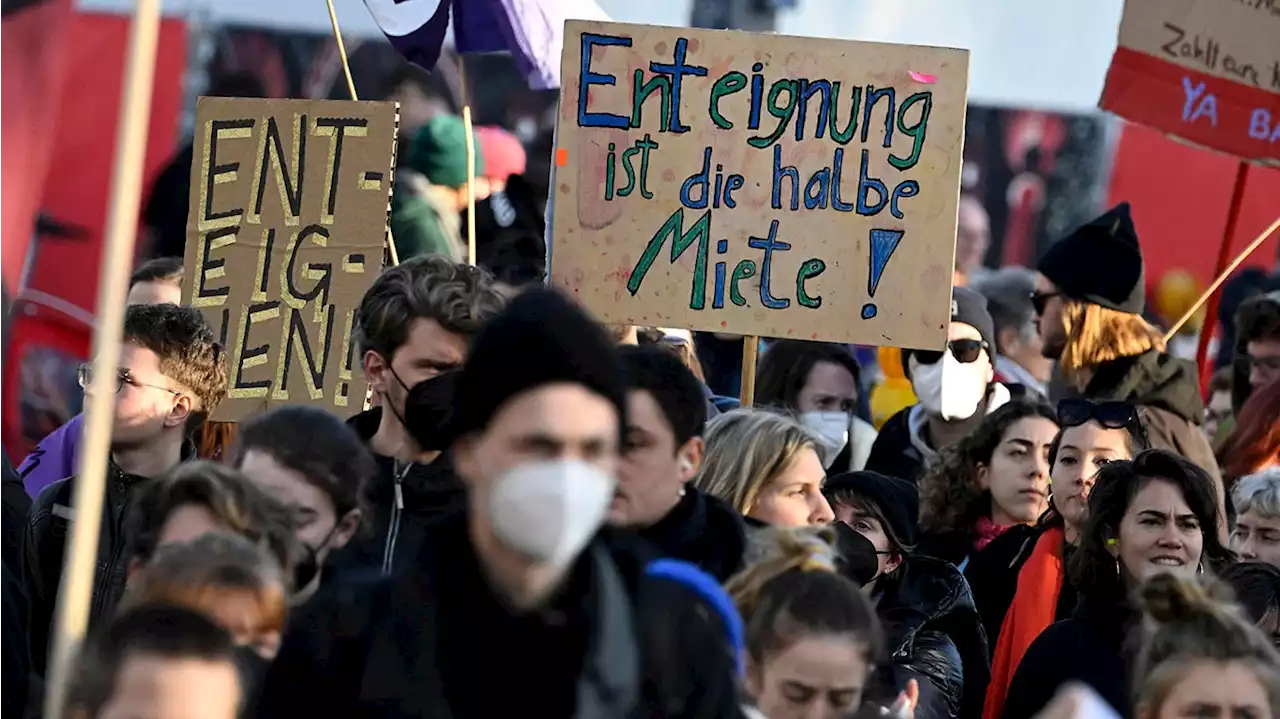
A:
(346, 528)
(181, 412)
(690, 456)
(983, 476)
(375, 370)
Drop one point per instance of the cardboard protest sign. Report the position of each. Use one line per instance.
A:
(759, 184)
(288, 220)
(1206, 71)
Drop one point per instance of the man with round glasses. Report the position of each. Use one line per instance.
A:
(172, 374)
(955, 389)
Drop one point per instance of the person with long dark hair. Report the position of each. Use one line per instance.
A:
(980, 500)
(1154, 515)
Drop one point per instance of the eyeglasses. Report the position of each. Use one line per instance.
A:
(1040, 299)
(965, 351)
(84, 375)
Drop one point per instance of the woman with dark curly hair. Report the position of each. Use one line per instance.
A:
(1154, 515)
(980, 499)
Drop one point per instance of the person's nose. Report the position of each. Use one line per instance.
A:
(1087, 480)
(1171, 537)
(822, 513)
(1247, 551)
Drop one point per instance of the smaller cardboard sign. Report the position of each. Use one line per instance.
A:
(1206, 71)
(759, 184)
(288, 220)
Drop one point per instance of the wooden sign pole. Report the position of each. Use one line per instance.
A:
(750, 347)
(76, 591)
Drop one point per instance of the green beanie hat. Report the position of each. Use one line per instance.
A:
(439, 151)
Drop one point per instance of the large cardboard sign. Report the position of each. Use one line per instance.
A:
(759, 184)
(288, 220)
(1206, 71)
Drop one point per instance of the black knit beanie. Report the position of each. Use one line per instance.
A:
(1100, 262)
(539, 339)
(897, 499)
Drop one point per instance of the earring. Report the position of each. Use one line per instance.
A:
(1199, 567)
(682, 491)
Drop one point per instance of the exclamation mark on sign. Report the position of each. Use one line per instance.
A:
(343, 390)
(883, 243)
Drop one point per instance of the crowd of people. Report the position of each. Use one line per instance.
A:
(540, 515)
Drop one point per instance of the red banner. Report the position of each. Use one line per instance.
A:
(1204, 109)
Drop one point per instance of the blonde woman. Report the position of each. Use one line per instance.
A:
(1091, 322)
(765, 465)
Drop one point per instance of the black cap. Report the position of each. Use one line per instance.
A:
(970, 308)
(897, 499)
(1100, 262)
(540, 338)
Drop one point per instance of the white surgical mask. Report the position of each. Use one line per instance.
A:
(832, 428)
(548, 511)
(950, 388)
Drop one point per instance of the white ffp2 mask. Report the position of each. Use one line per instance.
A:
(949, 388)
(549, 511)
(832, 428)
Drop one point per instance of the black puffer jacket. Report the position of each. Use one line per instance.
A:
(401, 499)
(934, 636)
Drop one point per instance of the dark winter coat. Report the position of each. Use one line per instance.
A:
(402, 499)
(1089, 647)
(703, 531)
(436, 643)
(1167, 391)
(992, 572)
(43, 545)
(933, 635)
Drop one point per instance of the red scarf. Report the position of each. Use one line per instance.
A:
(986, 531)
(1034, 608)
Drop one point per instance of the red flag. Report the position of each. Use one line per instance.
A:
(32, 51)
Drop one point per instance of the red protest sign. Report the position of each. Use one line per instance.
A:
(1206, 71)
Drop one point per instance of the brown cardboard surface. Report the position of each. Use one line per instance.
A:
(1235, 40)
(615, 231)
(288, 220)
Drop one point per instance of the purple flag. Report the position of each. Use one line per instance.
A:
(531, 30)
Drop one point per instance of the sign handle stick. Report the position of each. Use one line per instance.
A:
(750, 347)
(471, 158)
(351, 88)
(1222, 277)
(78, 567)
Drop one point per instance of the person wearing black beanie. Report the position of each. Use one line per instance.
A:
(931, 623)
(1089, 298)
(520, 584)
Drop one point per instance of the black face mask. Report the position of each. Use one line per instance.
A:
(307, 568)
(252, 667)
(427, 410)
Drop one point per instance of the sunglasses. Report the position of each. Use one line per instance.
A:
(965, 351)
(1041, 299)
(1073, 412)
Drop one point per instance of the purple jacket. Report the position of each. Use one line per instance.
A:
(53, 459)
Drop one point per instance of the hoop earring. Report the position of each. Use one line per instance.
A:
(1117, 567)
(1199, 568)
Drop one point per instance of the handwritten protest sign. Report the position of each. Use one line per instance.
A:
(288, 219)
(759, 184)
(1206, 71)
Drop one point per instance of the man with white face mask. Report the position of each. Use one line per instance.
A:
(956, 389)
(517, 588)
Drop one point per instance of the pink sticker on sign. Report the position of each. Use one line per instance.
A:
(923, 77)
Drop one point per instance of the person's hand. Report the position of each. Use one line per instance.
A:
(1077, 701)
(905, 706)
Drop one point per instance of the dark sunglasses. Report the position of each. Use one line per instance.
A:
(965, 351)
(1040, 299)
(1073, 412)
